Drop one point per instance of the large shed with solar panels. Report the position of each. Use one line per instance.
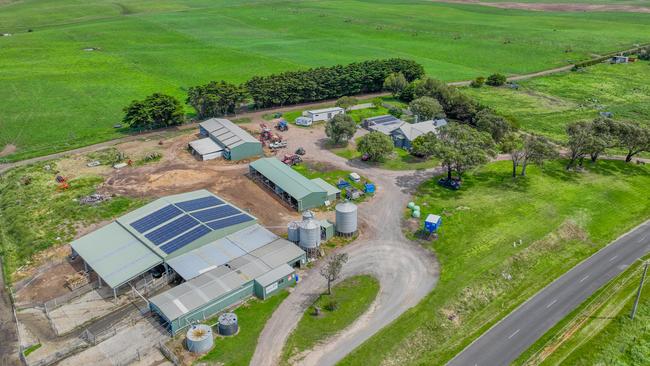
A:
(217, 248)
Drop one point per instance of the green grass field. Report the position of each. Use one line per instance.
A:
(56, 96)
(35, 215)
(560, 217)
(353, 296)
(238, 350)
(547, 104)
(399, 160)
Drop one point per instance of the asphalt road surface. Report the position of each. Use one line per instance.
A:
(509, 338)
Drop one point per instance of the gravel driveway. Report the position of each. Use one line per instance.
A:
(406, 271)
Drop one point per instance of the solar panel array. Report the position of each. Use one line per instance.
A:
(211, 213)
(156, 218)
(199, 203)
(384, 119)
(172, 229)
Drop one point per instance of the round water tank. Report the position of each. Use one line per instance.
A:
(309, 234)
(416, 214)
(306, 215)
(293, 231)
(199, 338)
(228, 324)
(411, 205)
(346, 218)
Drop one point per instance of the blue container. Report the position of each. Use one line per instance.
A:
(369, 188)
(342, 184)
(432, 223)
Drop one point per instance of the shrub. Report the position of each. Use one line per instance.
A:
(496, 80)
(478, 82)
(331, 305)
(395, 111)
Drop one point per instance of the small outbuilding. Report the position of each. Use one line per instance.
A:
(206, 149)
(236, 144)
(324, 114)
(274, 281)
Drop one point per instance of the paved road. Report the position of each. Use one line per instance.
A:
(406, 271)
(504, 342)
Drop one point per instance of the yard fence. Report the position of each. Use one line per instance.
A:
(169, 354)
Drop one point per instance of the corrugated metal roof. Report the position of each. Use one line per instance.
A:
(115, 254)
(325, 110)
(217, 282)
(205, 146)
(330, 189)
(196, 262)
(227, 133)
(286, 178)
(280, 272)
(412, 130)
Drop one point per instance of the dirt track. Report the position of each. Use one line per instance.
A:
(381, 251)
(567, 7)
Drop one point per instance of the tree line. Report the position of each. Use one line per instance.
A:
(218, 98)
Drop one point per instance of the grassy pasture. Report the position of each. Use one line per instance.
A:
(545, 105)
(560, 217)
(56, 96)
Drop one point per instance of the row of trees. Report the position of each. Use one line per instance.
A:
(218, 98)
(591, 139)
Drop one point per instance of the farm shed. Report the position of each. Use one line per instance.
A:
(324, 114)
(291, 186)
(206, 149)
(157, 232)
(384, 124)
(403, 136)
(333, 193)
(225, 285)
(236, 143)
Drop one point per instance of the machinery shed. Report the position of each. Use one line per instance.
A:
(333, 193)
(291, 186)
(206, 149)
(236, 143)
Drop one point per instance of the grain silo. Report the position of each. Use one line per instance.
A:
(293, 231)
(199, 338)
(228, 324)
(346, 218)
(310, 236)
(307, 214)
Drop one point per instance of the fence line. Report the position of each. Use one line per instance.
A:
(169, 354)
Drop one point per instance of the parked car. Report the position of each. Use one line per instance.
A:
(278, 145)
(304, 121)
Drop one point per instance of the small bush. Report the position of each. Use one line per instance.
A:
(332, 305)
(478, 82)
(496, 80)
(395, 111)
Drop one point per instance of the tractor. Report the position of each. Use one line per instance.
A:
(282, 126)
(292, 159)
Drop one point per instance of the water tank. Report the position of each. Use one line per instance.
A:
(306, 215)
(293, 231)
(199, 338)
(228, 324)
(346, 218)
(309, 234)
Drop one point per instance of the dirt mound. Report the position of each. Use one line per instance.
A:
(555, 7)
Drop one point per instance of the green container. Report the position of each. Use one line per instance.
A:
(416, 208)
(411, 205)
(416, 214)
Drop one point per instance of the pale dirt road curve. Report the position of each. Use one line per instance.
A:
(406, 271)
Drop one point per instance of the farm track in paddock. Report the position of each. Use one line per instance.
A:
(84, 62)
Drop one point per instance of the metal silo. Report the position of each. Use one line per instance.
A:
(346, 218)
(199, 338)
(309, 234)
(228, 324)
(293, 231)
(306, 215)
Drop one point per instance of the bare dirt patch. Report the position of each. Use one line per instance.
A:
(555, 7)
(8, 149)
(49, 283)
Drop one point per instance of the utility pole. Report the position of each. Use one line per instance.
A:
(638, 293)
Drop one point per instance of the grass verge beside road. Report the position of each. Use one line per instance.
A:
(501, 241)
(600, 331)
(238, 350)
(400, 159)
(352, 296)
